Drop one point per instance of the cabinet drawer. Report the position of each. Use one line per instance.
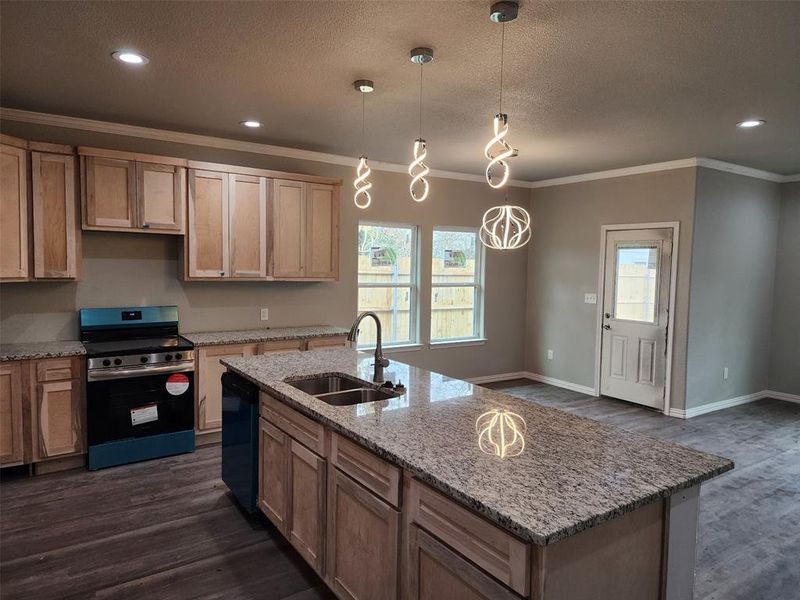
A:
(306, 431)
(369, 470)
(57, 369)
(327, 342)
(497, 552)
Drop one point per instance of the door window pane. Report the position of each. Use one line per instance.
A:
(393, 307)
(452, 312)
(636, 283)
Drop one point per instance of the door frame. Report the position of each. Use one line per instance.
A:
(673, 278)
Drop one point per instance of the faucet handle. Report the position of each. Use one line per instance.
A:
(382, 361)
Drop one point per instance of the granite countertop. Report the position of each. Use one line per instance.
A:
(250, 336)
(33, 350)
(573, 473)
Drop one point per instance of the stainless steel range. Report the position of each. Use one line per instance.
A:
(140, 384)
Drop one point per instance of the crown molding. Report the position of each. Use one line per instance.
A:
(193, 139)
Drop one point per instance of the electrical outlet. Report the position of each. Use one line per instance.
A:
(549, 354)
(264, 314)
(725, 373)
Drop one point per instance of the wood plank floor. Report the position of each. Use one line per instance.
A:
(749, 531)
(170, 529)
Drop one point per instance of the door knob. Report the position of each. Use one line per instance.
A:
(606, 326)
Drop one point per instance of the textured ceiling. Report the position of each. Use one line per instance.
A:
(589, 85)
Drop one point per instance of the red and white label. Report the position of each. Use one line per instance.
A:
(177, 384)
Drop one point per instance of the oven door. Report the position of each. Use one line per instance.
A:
(139, 406)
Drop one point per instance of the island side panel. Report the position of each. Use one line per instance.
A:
(680, 543)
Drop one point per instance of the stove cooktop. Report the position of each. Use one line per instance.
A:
(137, 346)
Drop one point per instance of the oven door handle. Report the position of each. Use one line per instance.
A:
(106, 374)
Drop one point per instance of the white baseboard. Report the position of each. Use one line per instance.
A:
(562, 384)
(498, 377)
(739, 400)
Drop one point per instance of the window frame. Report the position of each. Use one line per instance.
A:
(478, 286)
(413, 284)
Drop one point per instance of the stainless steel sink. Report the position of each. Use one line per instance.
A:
(358, 396)
(315, 386)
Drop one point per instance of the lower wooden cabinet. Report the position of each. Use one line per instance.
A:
(307, 514)
(434, 571)
(273, 474)
(11, 407)
(57, 416)
(209, 387)
(363, 542)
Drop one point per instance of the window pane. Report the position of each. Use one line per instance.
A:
(454, 255)
(393, 306)
(452, 312)
(384, 254)
(636, 283)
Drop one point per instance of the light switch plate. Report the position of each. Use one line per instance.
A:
(264, 314)
(549, 354)
(725, 372)
(590, 298)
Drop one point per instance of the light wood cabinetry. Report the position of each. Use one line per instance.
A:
(57, 408)
(227, 236)
(55, 225)
(363, 542)
(273, 474)
(11, 418)
(306, 532)
(327, 342)
(14, 213)
(209, 389)
(125, 191)
(305, 230)
(374, 473)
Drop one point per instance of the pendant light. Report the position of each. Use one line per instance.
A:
(362, 184)
(419, 187)
(504, 227)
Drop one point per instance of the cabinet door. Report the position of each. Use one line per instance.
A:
(161, 196)
(248, 226)
(273, 475)
(209, 388)
(208, 224)
(13, 213)
(362, 542)
(435, 571)
(307, 513)
(110, 193)
(54, 229)
(288, 229)
(11, 413)
(58, 419)
(322, 231)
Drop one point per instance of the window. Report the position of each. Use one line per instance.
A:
(387, 282)
(636, 283)
(456, 285)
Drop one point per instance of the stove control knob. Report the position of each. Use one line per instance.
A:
(117, 361)
(168, 357)
(144, 359)
(106, 362)
(178, 356)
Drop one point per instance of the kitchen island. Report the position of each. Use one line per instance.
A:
(454, 490)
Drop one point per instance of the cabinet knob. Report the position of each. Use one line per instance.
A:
(145, 225)
(221, 273)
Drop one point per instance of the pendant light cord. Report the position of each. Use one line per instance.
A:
(363, 119)
(420, 99)
(502, 54)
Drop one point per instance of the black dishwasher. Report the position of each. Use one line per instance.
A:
(240, 439)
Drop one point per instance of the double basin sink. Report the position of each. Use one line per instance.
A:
(341, 390)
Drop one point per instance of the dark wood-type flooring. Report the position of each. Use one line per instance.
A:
(170, 529)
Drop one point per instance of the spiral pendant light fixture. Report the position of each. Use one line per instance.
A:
(504, 227)
(419, 187)
(362, 198)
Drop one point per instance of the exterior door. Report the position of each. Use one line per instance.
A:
(635, 315)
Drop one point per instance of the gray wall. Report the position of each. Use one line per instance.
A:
(143, 269)
(784, 373)
(733, 263)
(563, 262)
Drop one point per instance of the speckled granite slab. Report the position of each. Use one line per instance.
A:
(252, 336)
(33, 350)
(573, 473)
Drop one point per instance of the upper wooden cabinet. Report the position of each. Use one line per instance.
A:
(55, 233)
(227, 234)
(305, 230)
(125, 191)
(13, 209)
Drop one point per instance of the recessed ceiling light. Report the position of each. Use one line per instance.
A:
(750, 123)
(130, 57)
(251, 123)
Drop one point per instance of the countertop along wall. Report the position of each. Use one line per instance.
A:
(563, 261)
(784, 373)
(733, 266)
(126, 268)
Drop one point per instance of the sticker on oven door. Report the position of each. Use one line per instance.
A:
(177, 384)
(144, 414)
